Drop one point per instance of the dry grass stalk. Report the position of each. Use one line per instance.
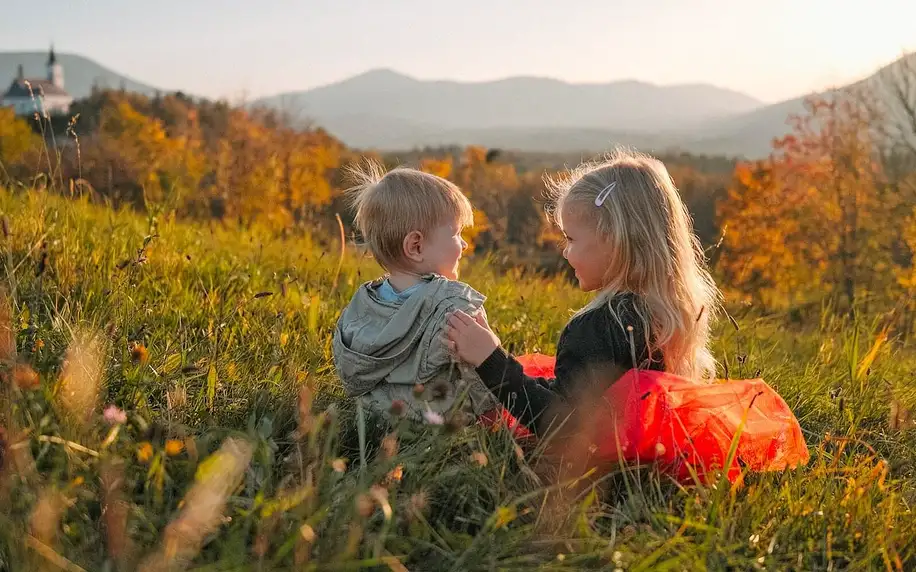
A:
(48, 553)
(46, 515)
(115, 510)
(7, 335)
(203, 508)
(81, 378)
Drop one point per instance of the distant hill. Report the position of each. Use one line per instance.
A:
(79, 73)
(385, 109)
(744, 134)
(751, 133)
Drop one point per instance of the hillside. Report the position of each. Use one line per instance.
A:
(518, 102)
(79, 73)
(387, 110)
(751, 133)
(362, 130)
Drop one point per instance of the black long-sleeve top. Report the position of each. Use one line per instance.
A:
(594, 350)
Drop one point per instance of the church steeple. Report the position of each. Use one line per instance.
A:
(55, 70)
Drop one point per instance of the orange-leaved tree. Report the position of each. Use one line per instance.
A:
(811, 220)
(132, 158)
(16, 140)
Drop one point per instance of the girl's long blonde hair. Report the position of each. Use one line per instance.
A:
(654, 253)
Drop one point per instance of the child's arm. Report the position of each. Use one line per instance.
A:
(592, 353)
(588, 361)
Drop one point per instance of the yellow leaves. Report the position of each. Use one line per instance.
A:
(744, 173)
(273, 174)
(906, 277)
(16, 137)
(481, 224)
(869, 358)
(211, 386)
(147, 157)
(475, 155)
(504, 516)
(7, 334)
(314, 310)
(809, 216)
(288, 502)
(171, 364)
(439, 167)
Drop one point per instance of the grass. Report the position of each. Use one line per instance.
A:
(238, 452)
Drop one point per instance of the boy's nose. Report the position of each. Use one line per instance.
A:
(464, 244)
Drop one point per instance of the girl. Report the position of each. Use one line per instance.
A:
(630, 238)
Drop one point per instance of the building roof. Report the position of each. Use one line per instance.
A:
(20, 88)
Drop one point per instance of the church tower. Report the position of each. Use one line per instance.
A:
(55, 70)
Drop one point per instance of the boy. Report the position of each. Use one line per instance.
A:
(389, 344)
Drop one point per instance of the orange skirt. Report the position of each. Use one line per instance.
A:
(687, 427)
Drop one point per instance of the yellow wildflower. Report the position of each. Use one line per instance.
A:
(173, 447)
(144, 452)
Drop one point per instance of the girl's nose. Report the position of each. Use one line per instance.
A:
(464, 244)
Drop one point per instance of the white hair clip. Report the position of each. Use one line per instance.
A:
(603, 195)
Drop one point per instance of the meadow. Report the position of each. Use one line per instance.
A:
(169, 402)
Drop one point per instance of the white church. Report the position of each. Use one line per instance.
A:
(43, 95)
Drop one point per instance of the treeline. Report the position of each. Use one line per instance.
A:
(830, 215)
(211, 160)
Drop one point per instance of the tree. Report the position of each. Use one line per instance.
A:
(16, 140)
(812, 218)
(491, 186)
(141, 161)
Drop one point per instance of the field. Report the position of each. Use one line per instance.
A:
(229, 446)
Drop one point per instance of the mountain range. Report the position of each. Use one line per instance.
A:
(386, 110)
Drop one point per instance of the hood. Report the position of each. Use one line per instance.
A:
(401, 343)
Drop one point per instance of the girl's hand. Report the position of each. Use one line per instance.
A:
(470, 339)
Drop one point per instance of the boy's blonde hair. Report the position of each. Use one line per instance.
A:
(654, 253)
(389, 206)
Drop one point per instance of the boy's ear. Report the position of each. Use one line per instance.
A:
(413, 246)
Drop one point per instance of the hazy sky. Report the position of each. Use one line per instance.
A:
(771, 49)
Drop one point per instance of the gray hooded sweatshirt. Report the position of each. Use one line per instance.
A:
(383, 349)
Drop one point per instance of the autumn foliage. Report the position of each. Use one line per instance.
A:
(16, 141)
(821, 217)
(817, 218)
